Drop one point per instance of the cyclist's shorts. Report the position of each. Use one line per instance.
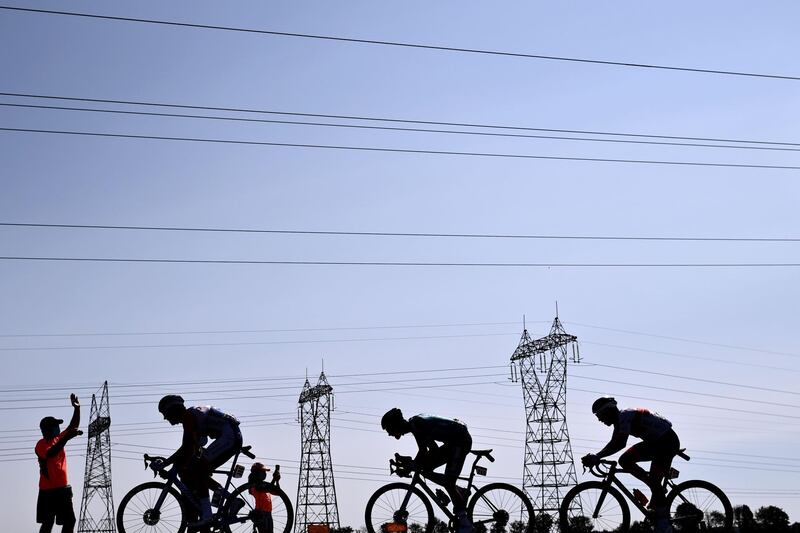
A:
(227, 444)
(660, 451)
(55, 504)
(457, 454)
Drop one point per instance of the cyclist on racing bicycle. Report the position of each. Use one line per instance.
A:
(195, 463)
(456, 444)
(659, 444)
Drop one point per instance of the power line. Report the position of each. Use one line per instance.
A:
(696, 393)
(395, 263)
(402, 150)
(400, 234)
(400, 44)
(397, 120)
(257, 379)
(286, 387)
(683, 339)
(396, 128)
(254, 343)
(699, 357)
(699, 380)
(274, 330)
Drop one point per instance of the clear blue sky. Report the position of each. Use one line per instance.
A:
(64, 179)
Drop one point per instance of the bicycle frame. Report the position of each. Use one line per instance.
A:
(171, 479)
(419, 480)
(610, 478)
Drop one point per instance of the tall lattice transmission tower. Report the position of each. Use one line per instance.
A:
(316, 492)
(541, 365)
(97, 503)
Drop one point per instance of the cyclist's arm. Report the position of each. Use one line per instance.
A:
(617, 443)
(189, 445)
(425, 444)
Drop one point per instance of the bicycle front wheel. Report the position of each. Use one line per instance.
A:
(699, 506)
(237, 514)
(385, 509)
(500, 507)
(591, 506)
(139, 511)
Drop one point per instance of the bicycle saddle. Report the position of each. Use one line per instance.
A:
(484, 453)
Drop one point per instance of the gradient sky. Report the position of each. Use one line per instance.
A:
(202, 323)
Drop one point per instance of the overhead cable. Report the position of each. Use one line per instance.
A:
(367, 118)
(404, 150)
(276, 231)
(399, 44)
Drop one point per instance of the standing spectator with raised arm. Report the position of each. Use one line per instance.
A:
(55, 494)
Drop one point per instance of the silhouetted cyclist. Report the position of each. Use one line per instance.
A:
(456, 444)
(659, 445)
(194, 462)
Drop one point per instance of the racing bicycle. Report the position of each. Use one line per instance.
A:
(694, 505)
(169, 506)
(406, 507)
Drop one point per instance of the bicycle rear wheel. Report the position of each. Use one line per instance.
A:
(138, 511)
(499, 508)
(591, 506)
(699, 506)
(384, 513)
(237, 517)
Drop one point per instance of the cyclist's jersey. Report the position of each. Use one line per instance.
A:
(427, 429)
(207, 421)
(642, 424)
(52, 470)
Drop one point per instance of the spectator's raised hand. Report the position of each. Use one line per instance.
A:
(74, 400)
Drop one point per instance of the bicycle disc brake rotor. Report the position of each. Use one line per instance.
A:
(400, 516)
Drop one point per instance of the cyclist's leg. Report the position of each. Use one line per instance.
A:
(458, 454)
(220, 451)
(641, 452)
(663, 451)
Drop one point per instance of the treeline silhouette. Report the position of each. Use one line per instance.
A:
(767, 519)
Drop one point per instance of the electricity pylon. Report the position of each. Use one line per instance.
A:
(316, 492)
(97, 502)
(541, 365)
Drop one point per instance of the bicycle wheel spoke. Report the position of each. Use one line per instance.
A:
(385, 507)
(586, 512)
(698, 505)
(137, 513)
(499, 507)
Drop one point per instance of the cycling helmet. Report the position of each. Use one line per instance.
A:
(392, 418)
(603, 403)
(168, 402)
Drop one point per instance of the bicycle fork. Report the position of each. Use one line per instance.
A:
(602, 498)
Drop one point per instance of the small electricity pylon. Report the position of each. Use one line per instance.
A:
(542, 364)
(316, 492)
(97, 502)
